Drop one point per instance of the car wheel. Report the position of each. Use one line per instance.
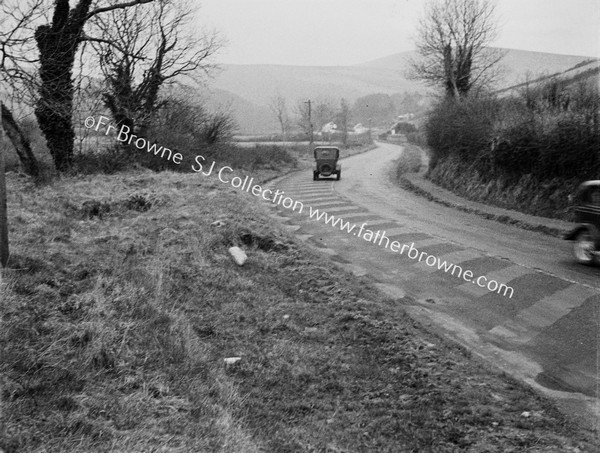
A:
(583, 248)
(339, 175)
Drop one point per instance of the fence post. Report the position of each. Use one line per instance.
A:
(3, 207)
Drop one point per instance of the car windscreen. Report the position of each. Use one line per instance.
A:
(326, 153)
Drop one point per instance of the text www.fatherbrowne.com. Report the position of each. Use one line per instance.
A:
(380, 238)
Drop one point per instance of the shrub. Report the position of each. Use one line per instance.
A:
(405, 128)
(548, 135)
(461, 127)
(179, 125)
(109, 160)
(250, 158)
(417, 138)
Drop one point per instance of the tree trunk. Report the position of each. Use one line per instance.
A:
(57, 44)
(20, 142)
(54, 109)
(3, 214)
(120, 96)
(282, 124)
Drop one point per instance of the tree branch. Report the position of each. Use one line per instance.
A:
(111, 43)
(117, 6)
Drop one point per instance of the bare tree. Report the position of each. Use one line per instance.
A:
(303, 111)
(323, 112)
(16, 19)
(17, 71)
(58, 43)
(278, 106)
(453, 41)
(18, 53)
(141, 50)
(218, 127)
(343, 120)
(19, 141)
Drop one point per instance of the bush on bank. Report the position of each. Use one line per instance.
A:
(183, 129)
(525, 152)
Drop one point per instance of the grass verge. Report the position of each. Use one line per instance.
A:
(275, 159)
(121, 304)
(410, 162)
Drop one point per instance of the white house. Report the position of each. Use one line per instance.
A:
(329, 128)
(359, 129)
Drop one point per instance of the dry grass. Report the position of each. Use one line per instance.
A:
(121, 303)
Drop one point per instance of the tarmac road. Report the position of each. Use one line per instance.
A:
(546, 334)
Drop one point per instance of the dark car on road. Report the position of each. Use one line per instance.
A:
(586, 235)
(326, 162)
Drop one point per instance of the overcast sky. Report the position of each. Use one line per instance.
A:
(344, 32)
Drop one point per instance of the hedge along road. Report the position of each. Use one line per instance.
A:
(545, 334)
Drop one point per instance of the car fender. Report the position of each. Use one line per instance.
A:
(584, 226)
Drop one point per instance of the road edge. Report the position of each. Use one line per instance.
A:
(580, 409)
(417, 184)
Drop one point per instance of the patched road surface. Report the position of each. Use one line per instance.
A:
(547, 333)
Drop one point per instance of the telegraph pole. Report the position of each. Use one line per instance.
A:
(3, 207)
(310, 137)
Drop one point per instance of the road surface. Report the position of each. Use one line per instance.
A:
(546, 334)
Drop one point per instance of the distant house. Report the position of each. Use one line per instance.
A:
(329, 128)
(359, 129)
(405, 117)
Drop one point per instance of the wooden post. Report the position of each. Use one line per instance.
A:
(311, 136)
(3, 207)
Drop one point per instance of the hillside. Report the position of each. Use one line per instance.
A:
(516, 64)
(521, 64)
(250, 116)
(257, 83)
(248, 88)
(587, 70)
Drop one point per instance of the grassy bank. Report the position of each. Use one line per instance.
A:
(410, 163)
(527, 151)
(273, 159)
(528, 195)
(410, 160)
(121, 304)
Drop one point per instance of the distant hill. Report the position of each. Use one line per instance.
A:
(516, 63)
(248, 88)
(251, 117)
(258, 83)
(588, 70)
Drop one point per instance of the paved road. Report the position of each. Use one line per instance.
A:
(547, 333)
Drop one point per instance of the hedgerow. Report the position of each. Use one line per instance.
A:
(545, 136)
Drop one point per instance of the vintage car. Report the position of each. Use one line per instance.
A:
(586, 235)
(326, 162)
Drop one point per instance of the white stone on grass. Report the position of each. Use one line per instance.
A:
(238, 255)
(231, 360)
